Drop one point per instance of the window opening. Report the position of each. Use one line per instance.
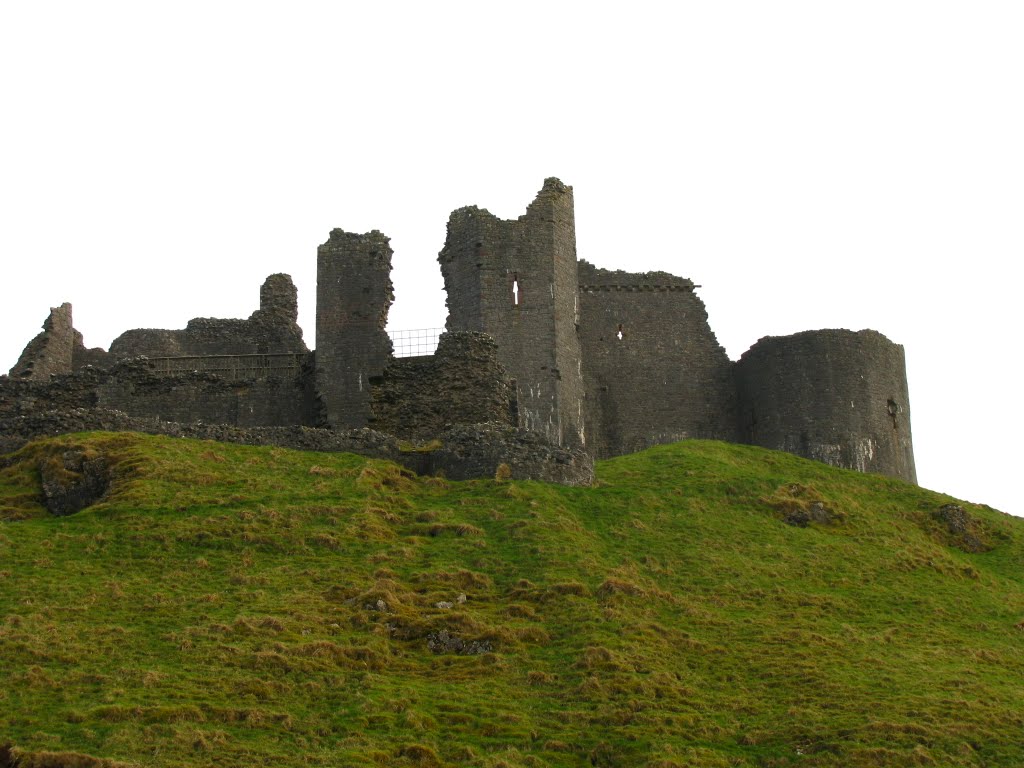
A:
(618, 333)
(515, 289)
(894, 411)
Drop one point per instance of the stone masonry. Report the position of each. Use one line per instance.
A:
(353, 295)
(835, 396)
(465, 369)
(655, 323)
(270, 329)
(547, 360)
(51, 352)
(516, 281)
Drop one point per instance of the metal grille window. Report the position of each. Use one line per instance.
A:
(416, 342)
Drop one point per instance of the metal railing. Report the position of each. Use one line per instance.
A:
(416, 342)
(233, 367)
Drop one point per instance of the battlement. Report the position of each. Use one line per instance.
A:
(583, 360)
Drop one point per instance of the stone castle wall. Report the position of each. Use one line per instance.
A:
(417, 398)
(203, 397)
(271, 328)
(132, 388)
(653, 370)
(579, 357)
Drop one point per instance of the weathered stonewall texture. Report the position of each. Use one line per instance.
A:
(353, 295)
(82, 356)
(194, 396)
(654, 371)
(575, 356)
(516, 281)
(270, 329)
(477, 450)
(51, 351)
(835, 396)
(462, 383)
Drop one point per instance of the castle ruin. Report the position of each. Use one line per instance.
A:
(583, 359)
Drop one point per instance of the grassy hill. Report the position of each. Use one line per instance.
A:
(705, 605)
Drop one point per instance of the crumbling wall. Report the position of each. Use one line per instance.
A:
(270, 329)
(470, 451)
(462, 383)
(130, 387)
(465, 451)
(81, 356)
(353, 295)
(516, 280)
(202, 397)
(653, 370)
(613, 361)
(49, 353)
(835, 396)
(21, 397)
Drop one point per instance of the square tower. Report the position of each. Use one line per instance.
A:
(517, 281)
(353, 295)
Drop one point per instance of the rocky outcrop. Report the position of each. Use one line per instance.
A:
(74, 480)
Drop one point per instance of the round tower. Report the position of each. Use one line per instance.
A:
(835, 396)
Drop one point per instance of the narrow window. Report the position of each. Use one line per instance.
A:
(618, 333)
(515, 289)
(894, 411)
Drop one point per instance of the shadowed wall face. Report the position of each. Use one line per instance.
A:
(516, 280)
(653, 370)
(353, 295)
(834, 396)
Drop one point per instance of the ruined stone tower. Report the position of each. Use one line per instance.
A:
(516, 280)
(353, 295)
(835, 396)
(603, 360)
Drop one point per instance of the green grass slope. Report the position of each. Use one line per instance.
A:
(228, 605)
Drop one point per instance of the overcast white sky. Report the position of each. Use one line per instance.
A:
(811, 164)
